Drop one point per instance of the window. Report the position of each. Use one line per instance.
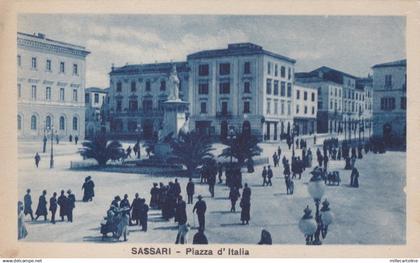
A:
(297, 94)
(268, 87)
(62, 94)
(74, 123)
(289, 90)
(224, 88)
(19, 90)
(403, 103)
(119, 86)
(33, 122)
(33, 63)
(133, 86)
(75, 70)
(48, 65)
(33, 92)
(203, 70)
(305, 95)
(313, 96)
(276, 70)
(246, 107)
(276, 106)
(224, 107)
(388, 81)
(162, 85)
(247, 68)
(19, 122)
(283, 89)
(48, 93)
(62, 123)
(48, 122)
(147, 105)
(132, 105)
(276, 87)
(19, 60)
(119, 106)
(224, 69)
(75, 95)
(247, 87)
(268, 106)
(289, 108)
(339, 93)
(335, 92)
(313, 110)
(387, 103)
(331, 105)
(203, 107)
(283, 72)
(147, 85)
(282, 107)
(305, 110)
(96, 98)
(62, 68)
(203, 88)
(268, 68)
(297, 109)
(289, 73)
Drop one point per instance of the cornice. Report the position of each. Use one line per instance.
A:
(27, 43)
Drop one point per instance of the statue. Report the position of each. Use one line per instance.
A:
(174, 84)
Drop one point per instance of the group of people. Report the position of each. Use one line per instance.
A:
(66, 204)
(136, 149)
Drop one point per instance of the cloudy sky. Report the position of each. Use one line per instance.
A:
(349, 43)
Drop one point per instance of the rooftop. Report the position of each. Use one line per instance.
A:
(398, 63)
(150, 68)
(238, 49)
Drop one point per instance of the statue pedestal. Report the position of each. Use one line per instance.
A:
(174, 116)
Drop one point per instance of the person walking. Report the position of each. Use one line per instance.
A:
(27, 200)
(37, 159)
(220, 168)
(62, 202)
(246, 193)
(181, 211)
(279, 152)
(128, 151)
(57, 139)
(135, 209)
(269, 176)
(71, 200)
(42, 206)
(53, 207)
(200, 238)
(245, 212)
(44, 147)
(234, 196)
(154, 196)
(144, 209)
(211, 180)
(200, 206)
(325, 162)
(264, 176)
(190, 191)
(76, 139)
(177, 188)
(181, 237)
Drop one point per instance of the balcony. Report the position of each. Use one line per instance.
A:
(139, 113)
(225, 114)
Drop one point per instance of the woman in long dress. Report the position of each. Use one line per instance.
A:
(123, 220)
(22, 232)
(42, 206)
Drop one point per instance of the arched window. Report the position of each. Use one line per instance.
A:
(62, 123)
(33, 122)
(74, 123)
(48, 122)
(19, 122)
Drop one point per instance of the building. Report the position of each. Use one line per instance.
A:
(94, 117)
(242, 87)
(366, 85)
(390, 100)
(136, 96)
(50, 87)
(305, 104)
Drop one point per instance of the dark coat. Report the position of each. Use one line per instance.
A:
(136, 209)
(42, 206)
(234, 194)
(246, 207)
(28, 204)
(71, 200)
(62, 202)
(53, 204)
(154, 199)
(124, 203)
(200, 239)
(246, 193)
(190, 188)
(201, 207)
(177, 189)
(143, 213)
(270, 173)
(181, 213)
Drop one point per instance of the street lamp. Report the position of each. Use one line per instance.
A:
(324, 217)
(52, 147)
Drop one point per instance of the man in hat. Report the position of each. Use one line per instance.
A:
(190, 191)
(28, 204)
(62, 202)
(37, 159)
(71, 200)
(53, 207)
(200, 206)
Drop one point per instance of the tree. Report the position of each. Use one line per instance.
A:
(102, 150)
(242, 147)
(192, 150)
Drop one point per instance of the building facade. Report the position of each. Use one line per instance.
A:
(366, 85)
(244, 88)
(390, 100)
(50, 87)
(136, 96)
(305, 104)
(94, 116)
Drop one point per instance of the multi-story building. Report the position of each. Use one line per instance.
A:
(365, 84)
(50, 87)
(305, 104)
(390, 100)
(136, 97)
(94, 101)
(243, 87)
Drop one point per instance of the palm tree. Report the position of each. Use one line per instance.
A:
(242, 147)
(102, 150)
(192, 150)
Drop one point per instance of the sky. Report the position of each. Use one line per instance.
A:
(352, 44)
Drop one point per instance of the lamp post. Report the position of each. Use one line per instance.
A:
(316, 229)
(293, 139)
(52, 147)
(139, 131)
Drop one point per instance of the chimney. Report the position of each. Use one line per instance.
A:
(112, 67)
(41, 35)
